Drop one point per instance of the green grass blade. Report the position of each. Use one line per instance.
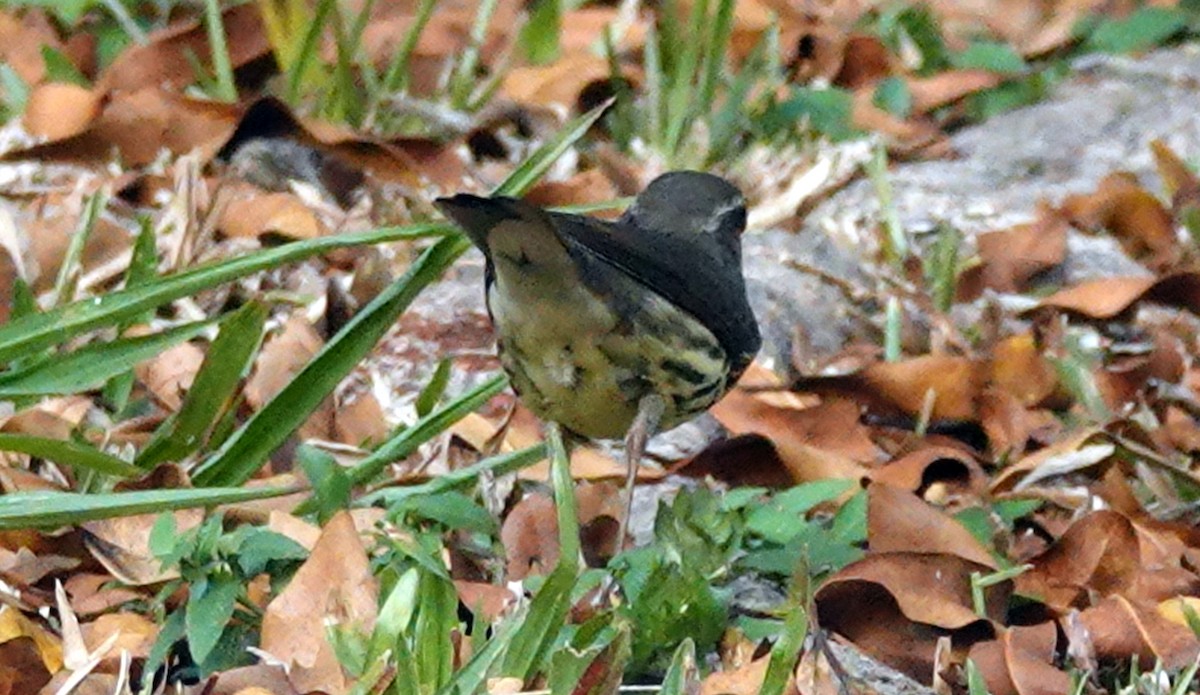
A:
(92, 365)
(462, 80)
(50, 509)
(75, 454)
(244, 452)
(714, 56)
(497, 465)
(222, 67)
(30, 333)
(682, 77)
(227, 361)
(396, 77)
(72, 263)
(655, 87)
(306, 56)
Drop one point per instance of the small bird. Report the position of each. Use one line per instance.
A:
(625, 327)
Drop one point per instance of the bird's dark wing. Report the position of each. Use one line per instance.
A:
(692, 272)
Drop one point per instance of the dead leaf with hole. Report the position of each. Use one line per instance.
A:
(895, 606)
(1133, 215)
(899, 521)
(1020, 661)
(334, 585)
(948, 468)
(1120, 629)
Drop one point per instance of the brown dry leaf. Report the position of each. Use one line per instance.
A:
(1107, 298)
(1010, 426)
(1131, 214)
(358, 420)
(1017, 367)
(122, 545)
(746, 680)
(170, 374)
(51, 232)
(24, 567)
(47, 647)
(90, 595)
(57, 111)
(895, 606)
(748, 459)
(1100, 553)
(21, 42)
(1020, 662)
(259, 679)
(585, 187)
(955, 382)
(1179, 181)
(281, 358)
(269, 217)
(530, 537)
(1120, 628)
(559, 83)
(934, 91)
(898, 520)
(134, 634)
(865, 61)
(139, 124)
(908, 135)
(168, 57)
(1012, 257)
(334, 584)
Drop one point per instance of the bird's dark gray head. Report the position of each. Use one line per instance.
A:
(690, 202)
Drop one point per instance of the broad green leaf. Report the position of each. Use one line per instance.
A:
(227, 361)
(330, 484)
(892, 95)
(1146, 28)
(246, 450)
(59, 68)
(75, 454)
(49, 509)
(599, 650)
(209, 608)
(28, 334)
(90, 366)
(993, 56)
(826, 111)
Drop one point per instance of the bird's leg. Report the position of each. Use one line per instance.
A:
(649, 415)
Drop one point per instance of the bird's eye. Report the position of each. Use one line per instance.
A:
(736, 218)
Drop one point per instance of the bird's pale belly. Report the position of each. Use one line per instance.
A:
(574, 363)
